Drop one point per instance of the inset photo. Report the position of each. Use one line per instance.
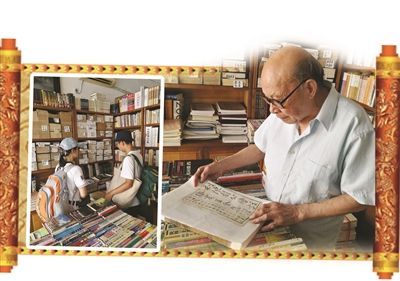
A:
(94, 162)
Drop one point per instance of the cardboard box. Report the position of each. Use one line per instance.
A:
(42, 115)
(36, 129)
(80, 117)
(66, 130)
(100, 126)
(54, 147)
(81, 125)
(44, 131)
(54, 156)
(55, 135)
(44, 165)
(42, 147)
(100, 118)
(108, 118)
(55, 127)
(65, 117)
(109, 126)
(81, 133)
(53, 163)
(43, 157)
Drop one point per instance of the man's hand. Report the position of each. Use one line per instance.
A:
(108, 196)
(206, 172)
(277, 214)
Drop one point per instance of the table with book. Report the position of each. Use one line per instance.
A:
(98, 224)
(180, 232)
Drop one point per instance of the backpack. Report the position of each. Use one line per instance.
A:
(53, 197)
(149, 183)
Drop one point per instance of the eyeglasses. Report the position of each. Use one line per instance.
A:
(279, 104)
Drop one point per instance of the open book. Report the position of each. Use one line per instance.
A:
(219, 213)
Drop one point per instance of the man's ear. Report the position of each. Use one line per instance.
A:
(311, 86)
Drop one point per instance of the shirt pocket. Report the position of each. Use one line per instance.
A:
(315, 181)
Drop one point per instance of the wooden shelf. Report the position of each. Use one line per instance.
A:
(199, 144)
(128, 112)
(151, 147)
(353, 67)
(43, 171)
(128, 128)
(51, 108)
(203, 87)
(152, 124)
(154, 106)
(91, 112)
(97, 138)
(47, 140)
(100, 162)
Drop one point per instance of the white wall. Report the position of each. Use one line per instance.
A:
(85, 89)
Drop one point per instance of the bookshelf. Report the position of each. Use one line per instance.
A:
(358, 83)
(205, 93)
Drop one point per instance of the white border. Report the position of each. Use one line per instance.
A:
(29, 177)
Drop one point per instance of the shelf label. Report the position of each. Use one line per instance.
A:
(237, 84)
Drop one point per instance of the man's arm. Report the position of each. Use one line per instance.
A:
(277, 214)
(126, 185)
(244, 157)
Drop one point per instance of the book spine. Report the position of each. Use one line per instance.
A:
(10, 73)
(386, 246)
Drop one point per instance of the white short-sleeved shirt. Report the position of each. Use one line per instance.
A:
(75, 181)
(130, 170)
(334, 155)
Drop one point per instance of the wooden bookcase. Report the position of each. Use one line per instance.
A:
(351, 68)
(195, 93)
(42, 174)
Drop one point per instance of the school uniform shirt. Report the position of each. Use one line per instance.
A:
(335, 155)
(75, 180)
(130, 169)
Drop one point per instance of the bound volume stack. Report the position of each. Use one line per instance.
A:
(99, 224)
(234, 73)
(202, 123)
(233, 120)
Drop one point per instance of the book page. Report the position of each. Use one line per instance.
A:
(223, 202)
(212, 210)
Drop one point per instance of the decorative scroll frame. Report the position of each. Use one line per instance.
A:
(27, 69)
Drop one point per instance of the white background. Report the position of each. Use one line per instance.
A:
(188, 33)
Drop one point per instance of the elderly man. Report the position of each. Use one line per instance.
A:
(318, 147)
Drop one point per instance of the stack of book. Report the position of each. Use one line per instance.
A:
(172, 132)
(99, 224)
(180, 238)
(53, 99)
(202, 123)
(233, 120)
(243, 176)
(328, 58)
(234, 73)
(359, 87)
(173, 106)
(252, 126)
(348, 229)
(178, 172)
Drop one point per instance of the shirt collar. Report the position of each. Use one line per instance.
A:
(328, 109)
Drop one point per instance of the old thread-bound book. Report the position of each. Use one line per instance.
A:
(219, 213)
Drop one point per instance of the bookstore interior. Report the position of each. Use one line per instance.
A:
(92, 110)
(209, 113)
(213, 112)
